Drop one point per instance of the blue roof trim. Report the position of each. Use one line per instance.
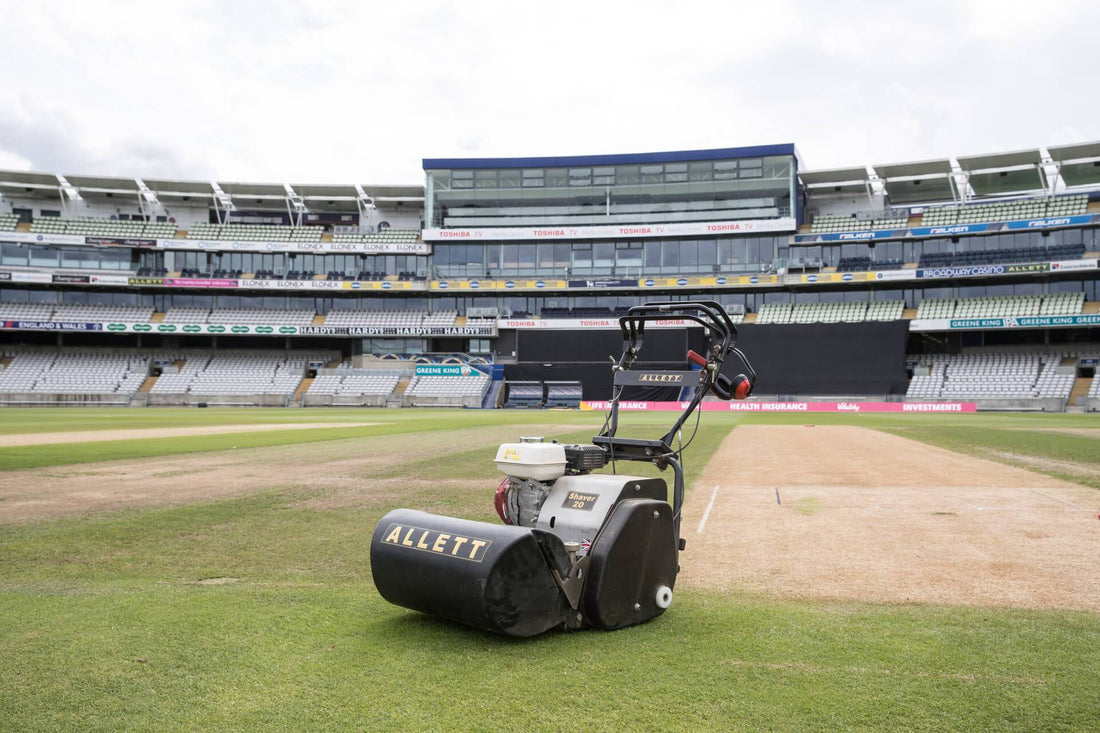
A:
(752, 151)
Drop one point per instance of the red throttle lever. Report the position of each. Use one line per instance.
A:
(692, 356)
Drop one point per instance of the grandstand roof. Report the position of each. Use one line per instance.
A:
(102, 185)
(167, 190)
(254, 190)
(24, 182)
(920, 181)
(1003, 173)
(1001, 160)
(395, 192)
(754, 151)
(335, 191)
(912, 170)
(835, 177)
(1076, 151)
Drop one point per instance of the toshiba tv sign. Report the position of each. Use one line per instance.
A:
(694, 228)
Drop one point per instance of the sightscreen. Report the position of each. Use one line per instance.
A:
(825, 359)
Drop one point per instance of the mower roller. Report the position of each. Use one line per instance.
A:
(577, 549)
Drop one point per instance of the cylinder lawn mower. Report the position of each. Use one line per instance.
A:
(578, 549)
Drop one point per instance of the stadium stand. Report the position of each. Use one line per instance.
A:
(74, 373)
(994, 307)
(885, 310)
(774, 313)
(265, 378)
(524, 394)
(992, 376)
(447, 391)
(26, 311)
(1015, 255)
(1001, 306)
(1062, 304)
(1035, 208)
(255, 232)
(827, 223)
(104, 228)
(352, 387)
(386, 236)
(828, 312)
(850, 312)
(272, 316)
(866, 264)
(187, 315)
(563, 394)
(93, 313)
(390, 319)
(569, 272)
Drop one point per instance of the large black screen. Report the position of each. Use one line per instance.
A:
(826, 359)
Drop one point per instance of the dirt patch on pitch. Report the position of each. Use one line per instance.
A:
(1083, 432)
(338, 473)
(96, 436)
(846, 512)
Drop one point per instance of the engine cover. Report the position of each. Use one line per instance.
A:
(633, 567)
(577, 506)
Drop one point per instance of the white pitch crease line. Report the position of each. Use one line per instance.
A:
(703, 521)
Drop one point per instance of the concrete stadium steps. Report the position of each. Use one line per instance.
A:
(1080, 392)
(303, 387)
(147, 384)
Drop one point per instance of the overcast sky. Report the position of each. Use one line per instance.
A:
(360, 92)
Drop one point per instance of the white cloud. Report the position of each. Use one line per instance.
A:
(360, 92)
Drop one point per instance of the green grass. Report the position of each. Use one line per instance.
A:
(1071, 457)
(104, 623)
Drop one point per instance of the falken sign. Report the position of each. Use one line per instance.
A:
(949, 230)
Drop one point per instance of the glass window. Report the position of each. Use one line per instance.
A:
(582, 255)
(485, 179)
(114, 259)
(462, 179)
(708, 253)
(627, 175)
(13, 254)
(676, 172)
(603, 176)
(533, 178)
(725, 170)
(670, 254)
(603, 254)
(44, 256)
(527, 255)
(700, 171)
